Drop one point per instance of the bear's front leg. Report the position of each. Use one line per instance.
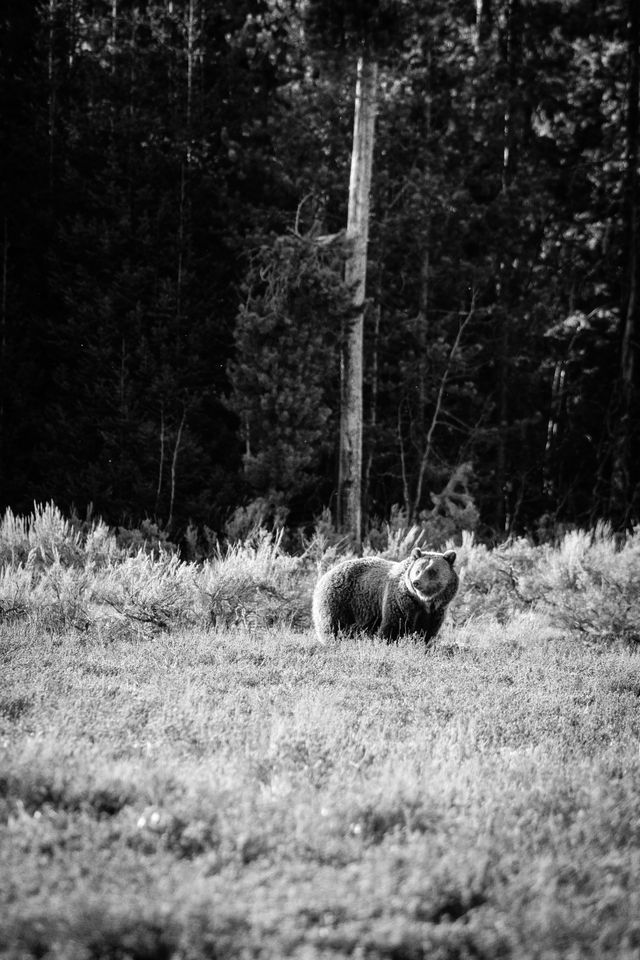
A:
(433, 626)
(390, 625)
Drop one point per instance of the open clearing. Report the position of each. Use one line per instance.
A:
(238, 793)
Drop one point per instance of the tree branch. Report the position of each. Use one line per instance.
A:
(438, 405)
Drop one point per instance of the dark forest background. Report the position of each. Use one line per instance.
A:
(174, 183)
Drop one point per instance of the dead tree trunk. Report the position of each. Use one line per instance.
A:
(351, 363)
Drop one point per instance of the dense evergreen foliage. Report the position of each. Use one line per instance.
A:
(173, 187)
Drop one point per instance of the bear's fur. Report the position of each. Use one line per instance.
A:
(384, 598)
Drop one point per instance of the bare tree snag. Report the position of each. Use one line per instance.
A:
(351, 362)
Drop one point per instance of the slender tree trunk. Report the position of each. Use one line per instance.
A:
(422, 321)
(373, 411)
(51, 84)
(181, 241)
(350, 461)
(185, 167)
(403, 464)
(503, 420)
(161, 463)
(414, 505)
(512, 56)
(621, 481)
(174, 462)
(512, 106)
(421, 432)
(550, 484)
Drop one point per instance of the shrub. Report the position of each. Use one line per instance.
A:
(253, 583)
(64, 574)
(591, 584)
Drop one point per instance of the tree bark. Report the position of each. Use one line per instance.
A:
(350, 460)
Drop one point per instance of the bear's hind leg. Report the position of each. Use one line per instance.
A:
(325, 623)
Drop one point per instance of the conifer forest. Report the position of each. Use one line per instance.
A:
(174, 307)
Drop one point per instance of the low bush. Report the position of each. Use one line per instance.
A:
(64, 574)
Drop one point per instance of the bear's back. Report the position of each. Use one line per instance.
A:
(350, 595)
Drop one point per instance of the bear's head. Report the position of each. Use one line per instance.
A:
(431, 575)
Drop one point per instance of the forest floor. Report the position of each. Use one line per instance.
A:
(241, 792)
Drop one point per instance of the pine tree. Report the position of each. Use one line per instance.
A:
(286, 337)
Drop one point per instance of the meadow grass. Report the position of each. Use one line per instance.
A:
(179, 779)
(254, 794)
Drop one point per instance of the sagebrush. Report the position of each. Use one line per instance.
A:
(60, 573)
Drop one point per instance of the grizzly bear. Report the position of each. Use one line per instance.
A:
(384, 598)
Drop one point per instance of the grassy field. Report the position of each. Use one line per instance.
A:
(236, 790)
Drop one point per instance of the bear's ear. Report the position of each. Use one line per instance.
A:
(450, 557)
(415, 553)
